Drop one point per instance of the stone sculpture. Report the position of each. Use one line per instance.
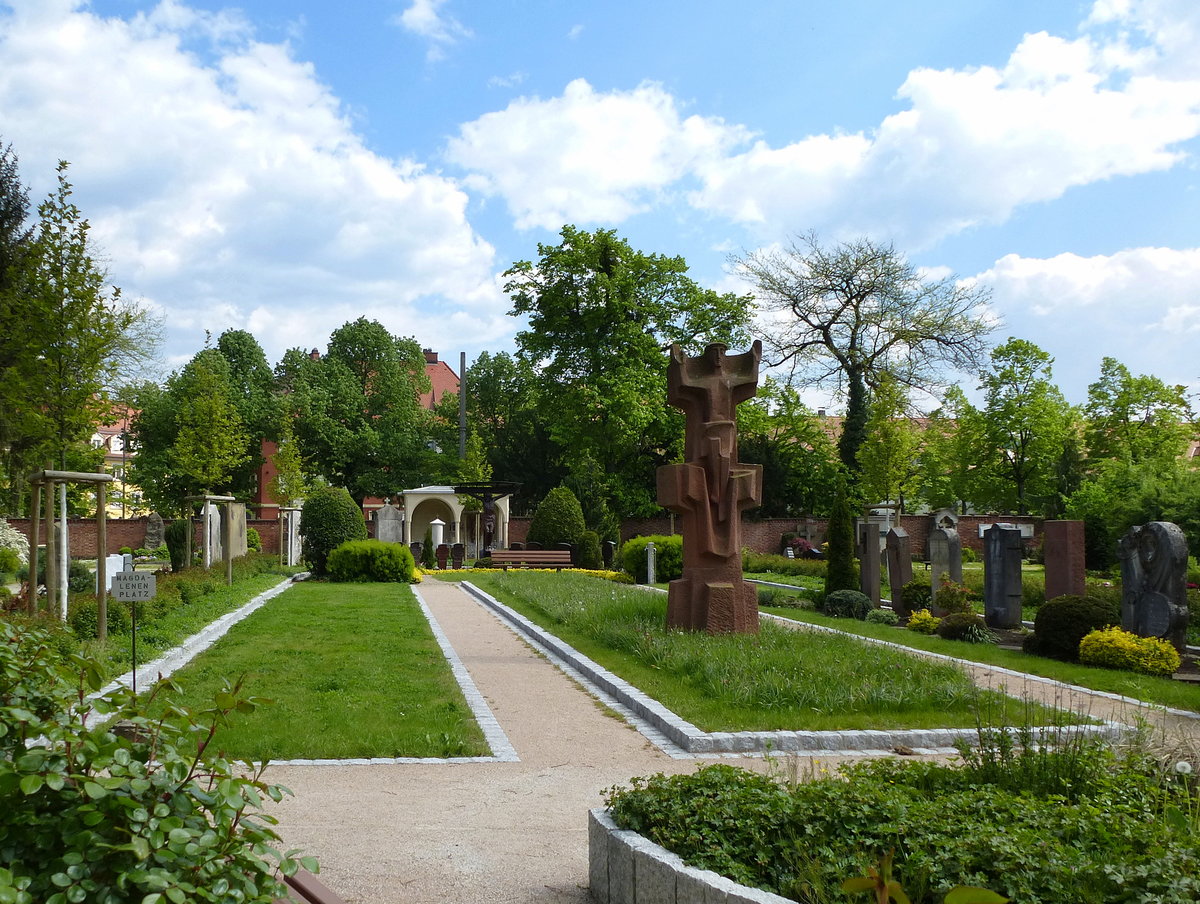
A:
(710, 490)
(154, 531)
(1154, 582)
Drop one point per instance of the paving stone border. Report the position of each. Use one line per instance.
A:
(684, 736)
(625, 868)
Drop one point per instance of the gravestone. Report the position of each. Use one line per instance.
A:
(518, 546)
(1002, 577)
(899, 566)
(292, 540)
(868, 572)
(945, 556)
(389, 524)
(710, 489)
(1154, 582)
(608, 551)
(417, 549)
(458, 555)
(236, 513)
(154, 531)
(1064, 553)
(442, 555)
(112, 565)
(213, 551)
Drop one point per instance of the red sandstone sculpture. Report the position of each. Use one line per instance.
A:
(710, 489)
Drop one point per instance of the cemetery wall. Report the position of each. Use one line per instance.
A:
(131, 532)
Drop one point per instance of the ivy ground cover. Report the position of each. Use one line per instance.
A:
(776, 680)
(353, 670)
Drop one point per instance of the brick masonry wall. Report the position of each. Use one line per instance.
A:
(132, 533)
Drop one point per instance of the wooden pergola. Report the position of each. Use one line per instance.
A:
(58, 550)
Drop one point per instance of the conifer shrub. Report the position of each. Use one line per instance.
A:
(847, 604)
(328, 519)
(841, 573)
(668, 557)
(253, 539)
(364, 561)
(557, 519)
(1114, 648)
(916, 594)
(590, 556)
(428, 553)
(1063, 622)
(883, 617)
(175, 536)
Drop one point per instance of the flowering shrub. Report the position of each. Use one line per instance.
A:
(1114, 648)
(923, 622)
(952, 597)
(11, 538)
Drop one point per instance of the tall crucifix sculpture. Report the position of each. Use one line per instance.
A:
(710, 490)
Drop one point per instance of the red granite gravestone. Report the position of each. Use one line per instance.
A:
(1062, 545)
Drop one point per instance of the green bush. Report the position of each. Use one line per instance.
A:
(761, 563)
(969, 554)
(372, 560)
(83, 615)
(9, 560)
(923, 622)
(176, 536)
(328, 519)
(152, 815)
(917, 594)
(557, 519)
(952, 597)
(842, 572)
(1033, 591)
(883, 617)
(847, 604)
(668, 557)
(1063, 622)
(590, 555)
(125, 550)
(253, 540)
(1115, 648)
(965, 626)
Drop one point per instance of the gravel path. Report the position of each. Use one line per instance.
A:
(503, 831)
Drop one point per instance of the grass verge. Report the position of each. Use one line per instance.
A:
(1159, 691)
(778, 679)
(353, 670)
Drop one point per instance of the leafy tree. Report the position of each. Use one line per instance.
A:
(558, 519)
(290, 481)
(859, 310)
(253, 394)
(357, 410)
(1136, 419)
(888, 457)
(601, 317)
(328, 519)
(14, 239)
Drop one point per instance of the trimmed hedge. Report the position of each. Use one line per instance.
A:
(1063, 622)
(557, 519)
(329, 519)
(847, 604)
(372, 560)
(668, 557)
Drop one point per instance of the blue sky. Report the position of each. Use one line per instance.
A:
(283, 166)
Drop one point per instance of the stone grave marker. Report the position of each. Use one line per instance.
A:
(1002, 577)
(869, 571)
(1154, 582)
(458, 555)
(1064, 554)
(236, 513)
(899, 566)
(154, 531)
(389, 524)
(945, 556)
(112, 565)
(213, 550)
(441, 554)
(608, 551)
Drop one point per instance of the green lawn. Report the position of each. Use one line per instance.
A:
(1160, 691)
(354, 671)
(778, 679)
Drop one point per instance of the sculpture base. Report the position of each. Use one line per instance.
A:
(715, 607)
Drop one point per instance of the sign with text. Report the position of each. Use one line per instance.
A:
(131, 587)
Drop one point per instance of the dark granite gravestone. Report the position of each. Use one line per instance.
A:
(608, 551)
(868, 563)
(945, 555)
(458, 555)
(1154, 582)
(710, 490)
(1002, 577)
(899, 566)
(442, 555)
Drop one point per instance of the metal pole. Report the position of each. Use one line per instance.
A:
(462, 405)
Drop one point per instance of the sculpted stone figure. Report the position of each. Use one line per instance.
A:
(1154, 581)
(710, 490)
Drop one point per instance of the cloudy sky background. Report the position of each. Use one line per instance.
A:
(283, 166)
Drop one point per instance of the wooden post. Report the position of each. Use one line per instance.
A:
(227, 542)
(51, 548)
(191, 530)
(34, 538)
(101, 563)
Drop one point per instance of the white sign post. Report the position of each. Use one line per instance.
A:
(131, 587)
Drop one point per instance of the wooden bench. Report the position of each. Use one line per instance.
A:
(557, 559)
(304, 888)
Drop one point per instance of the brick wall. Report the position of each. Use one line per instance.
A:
(132, 533)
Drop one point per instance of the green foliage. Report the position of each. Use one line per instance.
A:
(965, 626)
(176, 536)
(1114, 648)
(953, 597)
(1139, 419)
(923, 622)
(889, 456)
(668, 557)
(1070, 824)
(883, 617)
(155, 817)
(428, 553)
(9, 562)
(783, 599)
(917, 593)
(12, 539)
(83, 615)
(372, 560)
(841, 572)
(1063, 622)
(558, 519)
(760, 563)
(253, 540)
(847, 604)
(590, 555)
(328, 519)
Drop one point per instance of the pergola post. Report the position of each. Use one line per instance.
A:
(102, 562)
(34, 539)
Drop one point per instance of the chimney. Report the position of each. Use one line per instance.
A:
(431, 357)
(821, 413)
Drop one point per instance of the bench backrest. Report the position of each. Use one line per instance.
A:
(533, 556)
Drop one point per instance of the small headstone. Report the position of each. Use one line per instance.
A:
(112, 565)
(154, 531)
(869, 562)
(389, 524)
(945, 555)
(417, 549)
(458, 555)
(899, 566)
(442, 554)
(236, 513)
(651, 562)
(213, 551)
(1064, 554)
(533, 545)
(1002, 577)
(608, 552)
(1154, 582)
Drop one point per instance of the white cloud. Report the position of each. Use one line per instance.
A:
(575, 32)
(426, 19)
(227, 187)
(586, 156)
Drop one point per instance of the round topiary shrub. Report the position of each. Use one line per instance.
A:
(883, 617)
(372, 560)
(175, 536)
(558, 519)
(847, 604)
(329, 518)
(965, 626)
(668, 557)
(253, 539)
(1063, 622)
(589, 551)
(915, 595)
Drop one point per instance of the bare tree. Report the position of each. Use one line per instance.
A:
(848, 314)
